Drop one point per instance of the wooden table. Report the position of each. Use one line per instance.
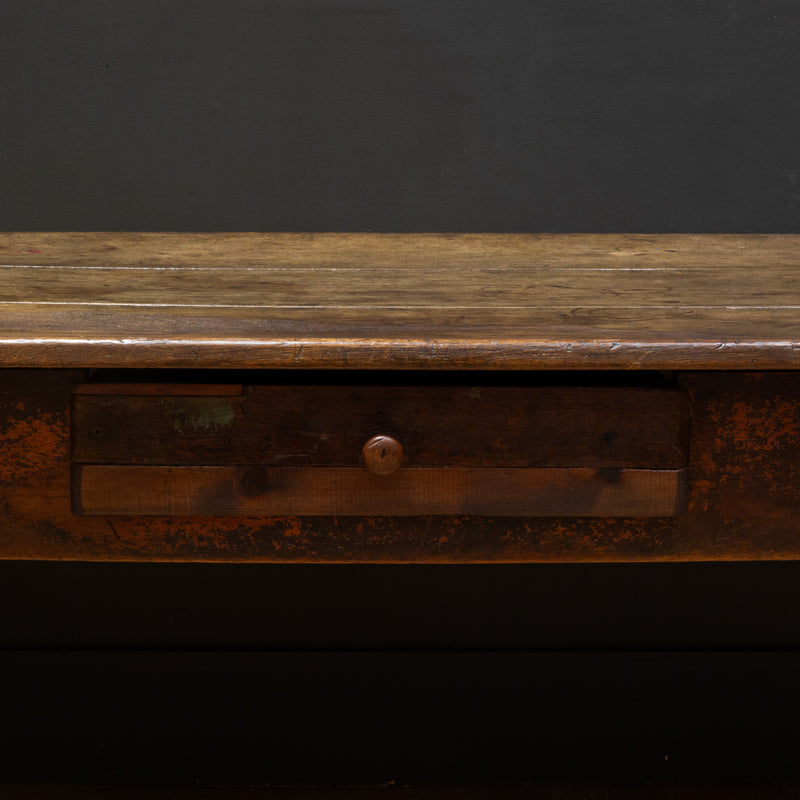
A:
(399, 398)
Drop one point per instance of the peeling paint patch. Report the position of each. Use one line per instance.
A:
(28, 448)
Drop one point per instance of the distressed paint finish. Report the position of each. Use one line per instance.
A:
(744, 496)
(197, 414)
(745, 466)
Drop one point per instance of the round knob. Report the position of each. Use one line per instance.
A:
(382, 455)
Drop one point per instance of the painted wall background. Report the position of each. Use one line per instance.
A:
(401, 115)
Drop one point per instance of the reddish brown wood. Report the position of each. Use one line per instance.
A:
(437, 425)
(346, 491)
(382, 454)
(743, 496)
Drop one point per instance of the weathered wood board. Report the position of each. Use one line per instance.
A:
(743, 497)
(421, 301)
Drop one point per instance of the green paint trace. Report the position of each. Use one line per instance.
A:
(199, 414)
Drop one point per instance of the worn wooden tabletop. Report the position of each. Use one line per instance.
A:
(406, 301)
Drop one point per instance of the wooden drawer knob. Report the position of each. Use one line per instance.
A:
(382, 455)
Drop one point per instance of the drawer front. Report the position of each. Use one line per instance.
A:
(379, 450)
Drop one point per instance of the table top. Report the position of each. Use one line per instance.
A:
(400, 301)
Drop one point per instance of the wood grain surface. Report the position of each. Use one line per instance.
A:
(273, 449)
(352, 491)
(441, 425)
(425, 301)
(743, 484)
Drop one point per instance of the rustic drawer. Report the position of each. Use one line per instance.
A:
(593, 451)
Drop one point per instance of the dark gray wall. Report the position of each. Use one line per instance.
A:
(401, 115)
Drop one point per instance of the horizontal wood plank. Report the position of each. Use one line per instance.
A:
(522, 301)
(393, 250)
(401, 289)
(256, 491)
(478, 426)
